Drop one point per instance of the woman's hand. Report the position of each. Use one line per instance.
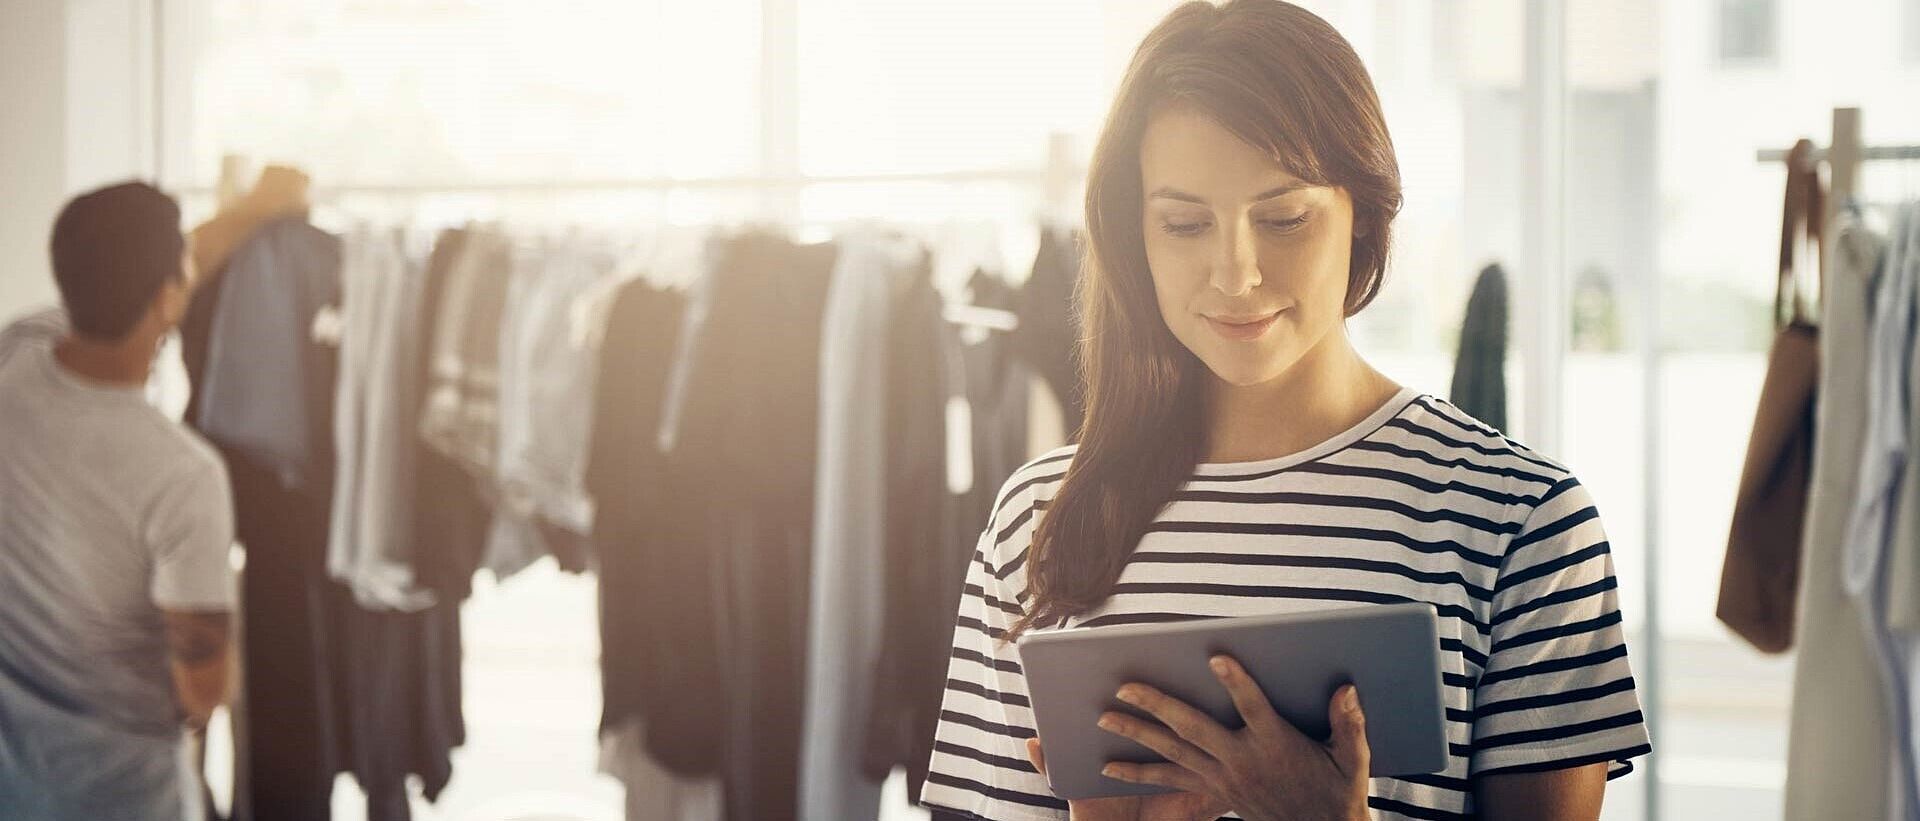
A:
(1266, 771)
(1179, 806)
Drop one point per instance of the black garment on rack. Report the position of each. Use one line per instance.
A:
(742, 487)
(451, 514)
(398, 675)
(915, 557)
(330, 687)
(626, 475)
(398, 680)
(1480, 369)
(1049, 329)
(286, 758)
(932, 533)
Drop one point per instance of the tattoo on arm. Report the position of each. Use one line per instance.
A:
(194, 639)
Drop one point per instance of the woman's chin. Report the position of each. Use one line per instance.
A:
(1245, 374)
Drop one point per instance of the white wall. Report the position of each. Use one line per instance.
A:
(109, 75)
(76, 86)
(32, 146)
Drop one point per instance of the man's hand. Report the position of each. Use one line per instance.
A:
(281, 191)
(198, 646)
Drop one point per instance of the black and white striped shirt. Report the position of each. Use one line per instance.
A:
(1419, 502)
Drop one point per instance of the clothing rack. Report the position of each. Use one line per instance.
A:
(1057, 181)
(1843, 158)
(1875, 152)
(1056, 178)
(1031, 176)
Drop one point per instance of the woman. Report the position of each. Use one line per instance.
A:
(1240, 458)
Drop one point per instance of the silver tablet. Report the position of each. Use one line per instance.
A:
(1390, 652)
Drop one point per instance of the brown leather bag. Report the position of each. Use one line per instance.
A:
(1760, 580)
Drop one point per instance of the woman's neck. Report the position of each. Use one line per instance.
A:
(1329, 390)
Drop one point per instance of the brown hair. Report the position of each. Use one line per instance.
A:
(1283, 81)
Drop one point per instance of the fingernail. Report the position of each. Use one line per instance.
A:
(1349, 698)
(1110, 771)
(1107, 722)
(1220, 665)
(1127, 695)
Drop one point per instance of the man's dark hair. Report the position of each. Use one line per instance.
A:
(112, 249)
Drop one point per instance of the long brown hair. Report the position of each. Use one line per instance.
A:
(1283, 81)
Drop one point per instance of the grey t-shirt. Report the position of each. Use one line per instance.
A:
(109, 512)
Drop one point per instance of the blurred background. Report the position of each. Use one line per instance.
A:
(1604, 153)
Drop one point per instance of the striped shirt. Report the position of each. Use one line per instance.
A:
(1419, 502)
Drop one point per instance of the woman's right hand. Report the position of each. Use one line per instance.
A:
(1174, 806)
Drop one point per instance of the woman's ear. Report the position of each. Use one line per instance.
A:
(1361, 229)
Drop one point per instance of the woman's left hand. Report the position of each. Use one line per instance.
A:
(1267, 770)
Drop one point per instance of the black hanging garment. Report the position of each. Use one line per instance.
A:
(1480, 370)
(398, 674)
(626, 475)
(330, 687)
(285, 758)
(1049, 330)
(451, 514)
(916, 490)
(996, 380)
(932, 532)
(738, 560)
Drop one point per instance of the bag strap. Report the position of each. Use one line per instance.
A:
(1802, 215)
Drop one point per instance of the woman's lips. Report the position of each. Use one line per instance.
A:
(1243, 329)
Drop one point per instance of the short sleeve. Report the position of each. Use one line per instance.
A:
(189, 533)
(979, 767)
(1557, 691)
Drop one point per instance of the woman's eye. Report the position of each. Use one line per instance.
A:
(1184, 229)
(1283, 225)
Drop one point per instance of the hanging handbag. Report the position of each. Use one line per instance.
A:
(1759, 582)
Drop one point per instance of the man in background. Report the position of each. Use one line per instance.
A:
(115, 522)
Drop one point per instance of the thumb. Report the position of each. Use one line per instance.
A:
(1349, 742)
(1035, 755)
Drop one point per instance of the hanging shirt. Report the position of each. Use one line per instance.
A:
(1839, 712)
(1418, 502)
(548, 364)
(253, 394)
(376, 413)
(460, 419)
(109, 513)
(1869, 549)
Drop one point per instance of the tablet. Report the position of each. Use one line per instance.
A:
(1390, 652)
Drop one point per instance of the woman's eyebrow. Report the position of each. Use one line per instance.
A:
(1281, 191)
(1171, 193)
(1168, 193)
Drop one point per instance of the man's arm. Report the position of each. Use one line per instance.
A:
(280, 192)
(198, 645)
(1571, 794)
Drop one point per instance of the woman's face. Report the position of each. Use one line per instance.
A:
(1249, 263)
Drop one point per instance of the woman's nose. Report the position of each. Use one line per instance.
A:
(1236, 266)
